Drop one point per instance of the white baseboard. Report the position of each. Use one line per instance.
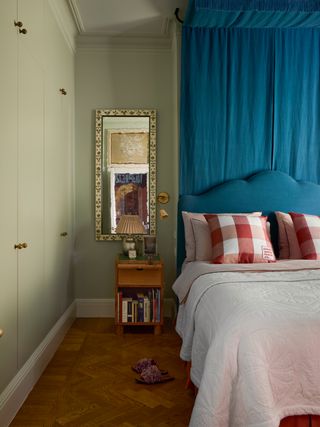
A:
(105, 307)
(20, 386)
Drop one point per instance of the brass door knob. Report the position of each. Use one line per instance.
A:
(1, 333)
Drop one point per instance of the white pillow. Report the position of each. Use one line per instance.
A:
(190, 243)
(202, 238)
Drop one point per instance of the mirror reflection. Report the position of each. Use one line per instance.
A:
(125, 170)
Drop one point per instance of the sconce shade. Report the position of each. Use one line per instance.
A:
(130, 224)
(163, 214)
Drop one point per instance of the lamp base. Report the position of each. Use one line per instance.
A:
(128, 243)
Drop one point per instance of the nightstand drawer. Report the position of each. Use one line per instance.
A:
(139, 276)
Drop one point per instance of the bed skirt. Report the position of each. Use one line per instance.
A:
(301, 421)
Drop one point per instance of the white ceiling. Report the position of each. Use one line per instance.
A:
(129, 18)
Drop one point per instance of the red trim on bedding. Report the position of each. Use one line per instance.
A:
(301, 421)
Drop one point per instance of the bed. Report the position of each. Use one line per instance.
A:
(251, 331)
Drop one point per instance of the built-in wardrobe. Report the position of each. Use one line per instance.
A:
(36, 178)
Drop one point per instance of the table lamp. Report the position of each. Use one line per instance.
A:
(129, 224)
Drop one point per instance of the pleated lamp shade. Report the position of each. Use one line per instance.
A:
(130, 224)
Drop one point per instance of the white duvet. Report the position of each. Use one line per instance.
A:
(254, 342)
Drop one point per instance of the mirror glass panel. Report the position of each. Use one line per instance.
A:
(125, 169)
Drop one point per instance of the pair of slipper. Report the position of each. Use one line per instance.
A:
(150, 373)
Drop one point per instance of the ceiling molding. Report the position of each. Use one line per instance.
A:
(76, 15)
(101, 41)
(114, 40)
(65, 22)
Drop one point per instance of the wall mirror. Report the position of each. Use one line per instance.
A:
(125, 170)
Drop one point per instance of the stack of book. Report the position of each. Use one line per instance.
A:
(142, 308)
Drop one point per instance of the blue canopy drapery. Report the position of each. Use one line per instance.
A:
(250, 96)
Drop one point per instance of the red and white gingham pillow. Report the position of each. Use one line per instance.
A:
(239, 239)
(307, 229)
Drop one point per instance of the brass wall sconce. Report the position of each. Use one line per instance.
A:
(163, 198)
(163, 214)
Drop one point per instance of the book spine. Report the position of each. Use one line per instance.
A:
(140, 309)
(145, 309)
(147, 315)
(154, 303)
(158, 305)
(124, 310)
(129, 311)
(134, 310)
(150, 295)
(120, 306)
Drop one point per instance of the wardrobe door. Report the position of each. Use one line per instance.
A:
(8, 192)
(66, 200)
(53, 188)
(31, 286)
(58, 170)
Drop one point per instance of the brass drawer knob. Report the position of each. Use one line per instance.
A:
(1, 333)
(64, 234)
(21, 245)
(22, 31)
(18, 24)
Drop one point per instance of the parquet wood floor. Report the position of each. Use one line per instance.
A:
(89, 381)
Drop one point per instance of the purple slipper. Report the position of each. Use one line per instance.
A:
(153, 375)
(142, 364)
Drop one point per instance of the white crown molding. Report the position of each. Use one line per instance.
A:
(76, 15)
(113, 40)
(65, 21)
(20, 386)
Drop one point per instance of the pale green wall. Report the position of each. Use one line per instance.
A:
(122, 79)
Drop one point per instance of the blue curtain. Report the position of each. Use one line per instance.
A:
(297, 104)
(249, 96)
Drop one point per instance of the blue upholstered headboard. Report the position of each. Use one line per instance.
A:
(266, 191)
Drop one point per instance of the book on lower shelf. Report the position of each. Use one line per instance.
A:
(129, 311)
(142, 307)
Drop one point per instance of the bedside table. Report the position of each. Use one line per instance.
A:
(139, 294)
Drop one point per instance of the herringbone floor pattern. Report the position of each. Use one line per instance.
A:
(89, 382)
